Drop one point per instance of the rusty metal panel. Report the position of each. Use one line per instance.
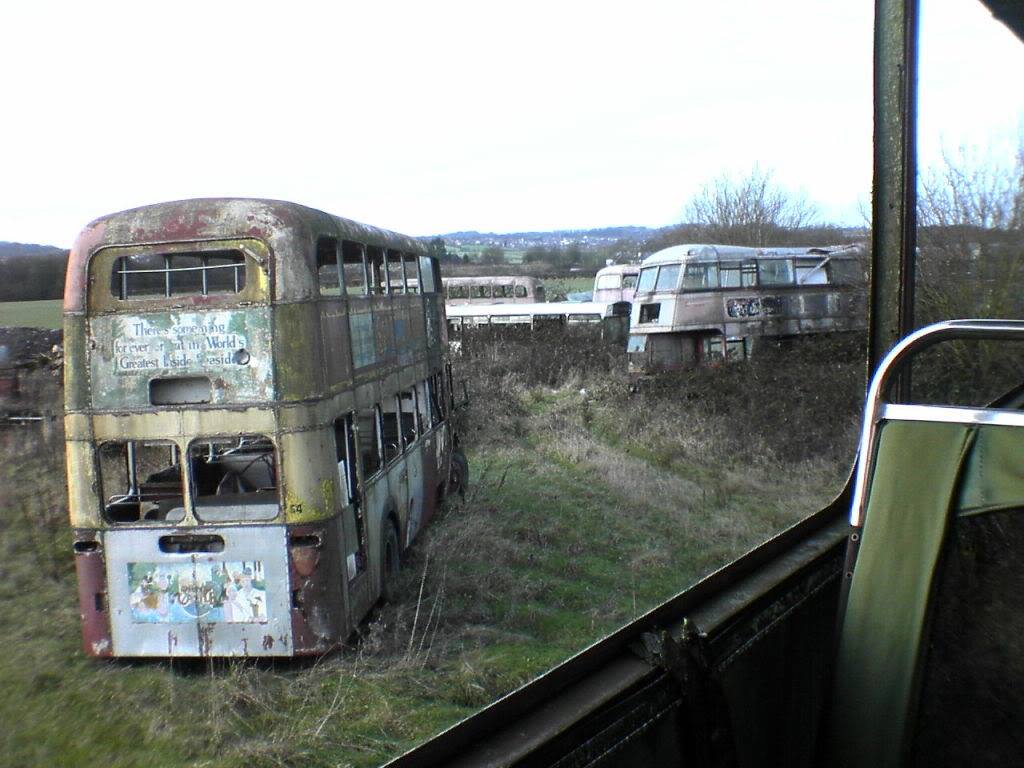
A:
(334, 333)
(297, 351)
(310, 474)
(83, 506)
(229, 346)
(235, 602)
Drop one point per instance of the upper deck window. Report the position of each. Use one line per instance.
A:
(846, 272)
(328, 274)
(480, 291)
(607, 282)
(520, 292)
(647, 277)
(775, 272)
(735, 275)
(458, 292)
(162, 275)
(668, 278)
(811, 271)
(430, 274)
(629, 281)
(699, 277)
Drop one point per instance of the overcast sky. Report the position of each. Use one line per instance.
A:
(438, 116)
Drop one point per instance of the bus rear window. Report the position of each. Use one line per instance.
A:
(234, 478)
(162, 275)
(141, 481)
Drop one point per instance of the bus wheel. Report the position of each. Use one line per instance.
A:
(390, 563)
(458, 475)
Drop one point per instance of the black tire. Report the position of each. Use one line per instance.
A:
(458, 474)
(390, 563)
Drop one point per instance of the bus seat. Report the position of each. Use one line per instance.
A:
(930, 665)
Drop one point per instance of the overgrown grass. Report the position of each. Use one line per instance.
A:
(587, 507)
(31, 314)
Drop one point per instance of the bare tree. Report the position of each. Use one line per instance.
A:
(971, 235)
(971, 191)
(752, 210)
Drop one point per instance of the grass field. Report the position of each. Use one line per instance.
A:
(32, 314)
(586, 508)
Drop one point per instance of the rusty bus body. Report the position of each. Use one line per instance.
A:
(493, 289)
(616, 282)
(611, 318)
(706, 303)
(256, 423)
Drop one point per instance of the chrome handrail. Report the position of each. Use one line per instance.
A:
(876, 407)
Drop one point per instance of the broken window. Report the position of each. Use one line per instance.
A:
(354, 269)
(811, 271)
(234, 478)
(423, 407)
(396, 272)
(376, 270)
(436, 399)
(846, 272)
(369, 442)
(327, 273)
(649, 313)
(409, 417)
(353, 522)
(699, 277)
(344, 454)
(164, 275)
(412, 275)
(390, 433)
(141, 481)
(775, 271)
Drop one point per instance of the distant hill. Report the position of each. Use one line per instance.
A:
(30, 272)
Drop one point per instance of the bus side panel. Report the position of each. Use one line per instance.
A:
(414, 467)
(335, 342)
(90, 568)
(320, 607)
(297, 351)
(234, 602)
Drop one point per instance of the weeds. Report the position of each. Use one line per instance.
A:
(587, 507)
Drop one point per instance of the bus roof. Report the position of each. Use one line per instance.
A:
(288, 228)
(542, 309)
(699, 252)
(619, 269)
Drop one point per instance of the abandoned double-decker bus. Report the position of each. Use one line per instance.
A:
(705, 303)
(615, 282)
(257, 423)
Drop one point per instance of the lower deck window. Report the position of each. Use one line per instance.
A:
(636, 343)
(141, 481)
(717, 348)
(234, 478)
